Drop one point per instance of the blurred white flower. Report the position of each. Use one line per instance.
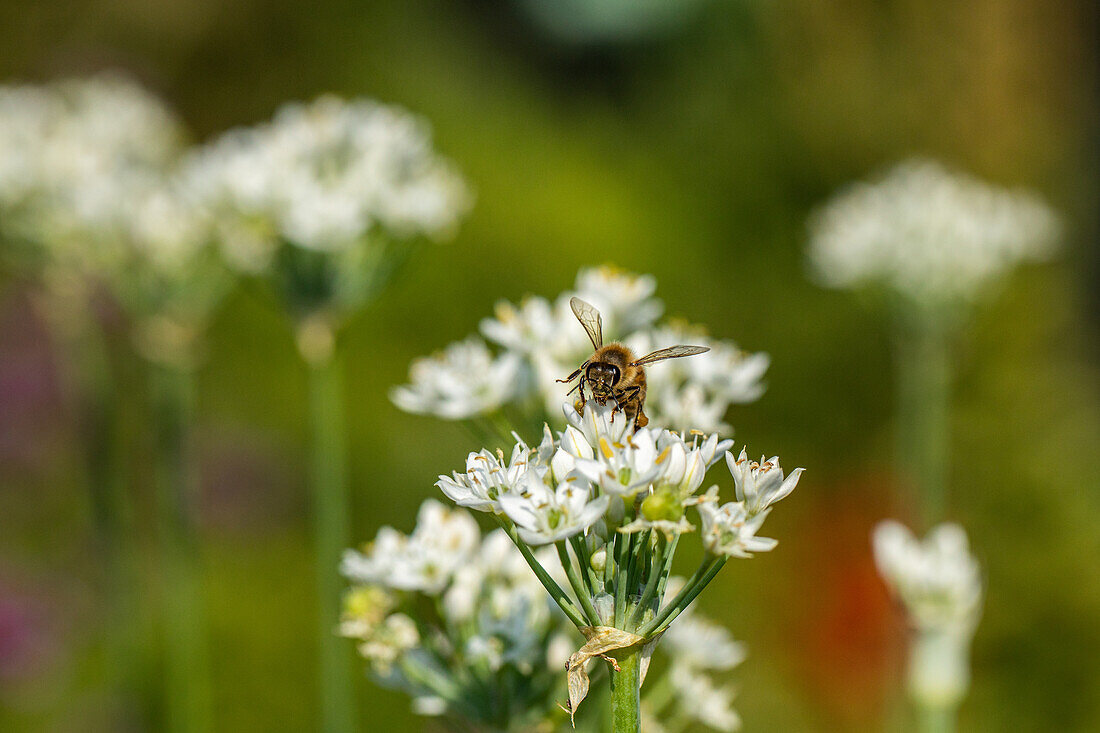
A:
(699, 644)
(696, 392)
(702, 701)
(937, 579)
(462, 382)
(759, 485)
(325, 176)
(76, 155)
(930, 234)
(939, 583)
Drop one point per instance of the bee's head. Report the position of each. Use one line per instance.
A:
(602, 377)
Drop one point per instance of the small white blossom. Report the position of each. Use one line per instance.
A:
(462, 382)
(937, 579)
(544, 515)
(425, 560)
(730, 530)
(759, 485)
(940, 585)
(932, 235)
(486, 479)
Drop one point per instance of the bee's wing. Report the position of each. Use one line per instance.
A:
(590, 318)
(672, 352)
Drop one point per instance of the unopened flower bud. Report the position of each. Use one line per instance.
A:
(598, 560)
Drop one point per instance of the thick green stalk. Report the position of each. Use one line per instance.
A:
(924, 382)
(331, 535)
(626, 690)
(187, 681)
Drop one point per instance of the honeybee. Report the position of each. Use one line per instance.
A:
(612, 372)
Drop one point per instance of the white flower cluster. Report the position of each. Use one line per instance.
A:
(931, 235)
(85, 167)
(493, 635)
(939, 582)
(542, 342)
(325, 176)
(599, 465)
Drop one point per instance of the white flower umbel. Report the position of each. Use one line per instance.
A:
(611, 500)
(548, 343)
(463, 382)
(89, 187)
(710, 705)
(483, 654)
(73, 154)
(324, 175)
(933, 236)
(939, 583)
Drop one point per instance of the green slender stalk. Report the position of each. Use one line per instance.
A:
(924, 381)
(584, 559)
(578, 585)
(331, 535)
(552, 587)
(708, 568)
(626, 690)
(651, 583)
(186, 679)
(623, 549)
(87, 380)
(936, 720)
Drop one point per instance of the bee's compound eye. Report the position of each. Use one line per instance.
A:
(614, 372)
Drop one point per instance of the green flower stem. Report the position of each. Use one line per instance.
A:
(936, 720)
(331, 536)
(578, 585)
(655, 568)
(924, 382)
(622, 575)
(708, 568)
(626, 690)
(549, 583)
(584, 559)
(187, 679)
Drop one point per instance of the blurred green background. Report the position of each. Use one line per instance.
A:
(692, 151)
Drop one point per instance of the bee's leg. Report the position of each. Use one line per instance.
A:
(623, 400)
(579, 404)
(640, 420)
(574, 375)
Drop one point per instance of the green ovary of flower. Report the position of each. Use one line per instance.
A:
(663, 505)
(553, 518)
(624, 476)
